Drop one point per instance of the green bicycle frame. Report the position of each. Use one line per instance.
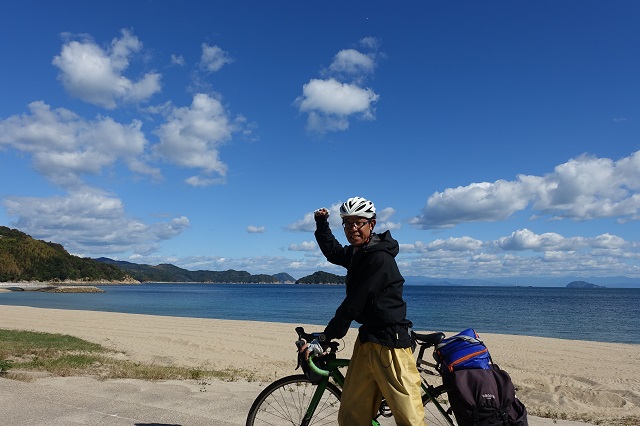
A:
(332, 371)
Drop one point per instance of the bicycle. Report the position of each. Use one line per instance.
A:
(313, 398)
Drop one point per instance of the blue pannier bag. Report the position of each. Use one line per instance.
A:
(463, 351)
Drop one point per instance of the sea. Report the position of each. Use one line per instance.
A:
(600, 314)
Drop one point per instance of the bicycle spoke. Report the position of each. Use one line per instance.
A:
(436, 411)
(286, 401)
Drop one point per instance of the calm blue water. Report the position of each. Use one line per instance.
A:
(606, 315)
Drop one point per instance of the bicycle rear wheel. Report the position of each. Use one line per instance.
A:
(437, 409)
(285, 402)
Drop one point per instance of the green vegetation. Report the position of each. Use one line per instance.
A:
(322, 277)
(283, 277)
(23, 258)
(5, 365)
(174, 274)
(64, 355)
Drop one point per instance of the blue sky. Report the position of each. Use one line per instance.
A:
(496, 139)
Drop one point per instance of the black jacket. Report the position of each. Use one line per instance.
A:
(374, 289)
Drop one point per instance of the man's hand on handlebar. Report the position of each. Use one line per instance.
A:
(320, 345)
(314, 348)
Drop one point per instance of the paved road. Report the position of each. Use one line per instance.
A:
(64, 401)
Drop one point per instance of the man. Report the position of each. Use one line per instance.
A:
(382, 363)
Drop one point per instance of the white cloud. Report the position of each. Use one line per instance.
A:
(213, 58)
(583, 188)
(476, 202)
(177, 60)
(608, 241)
(416, 247)
(201, 182)
(456, 244)
(590, 187)
(322, 123)
(304, 246)
(371, 43)
(350, 61)
(64, 146)
(383, 221)
(330, 104)
(90, 223)
(334, 98)
(524, 239)
(523, 253)
(452, 244)
(192, 136)
(95, 75)
(256, 229)
(306, 224)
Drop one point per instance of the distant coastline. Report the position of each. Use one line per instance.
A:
(409, 280)
(67, 286)
(51, 288)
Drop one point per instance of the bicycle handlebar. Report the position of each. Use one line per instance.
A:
(315, 368)
(425, 341)
(309, 337)
(304, 338)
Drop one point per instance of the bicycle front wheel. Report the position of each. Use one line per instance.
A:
(285, 403)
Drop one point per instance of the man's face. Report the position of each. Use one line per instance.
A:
(357, 229)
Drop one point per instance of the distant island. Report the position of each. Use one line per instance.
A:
(583, 284)
(322, 277)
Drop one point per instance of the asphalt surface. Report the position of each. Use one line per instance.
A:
(64, 401)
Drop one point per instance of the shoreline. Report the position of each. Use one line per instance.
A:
(84, 288)
(567, 379)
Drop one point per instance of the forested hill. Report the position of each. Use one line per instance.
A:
(23, 258)
(322, 277)
(174, 274)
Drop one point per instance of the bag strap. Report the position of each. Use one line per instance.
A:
(496, 414)
(467, 357)
(461, 337)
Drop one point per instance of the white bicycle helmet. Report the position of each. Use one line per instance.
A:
(358, 206)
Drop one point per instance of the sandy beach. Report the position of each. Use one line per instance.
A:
(589, 382)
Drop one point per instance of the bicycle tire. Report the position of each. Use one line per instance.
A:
(285, 402)
(437, 409)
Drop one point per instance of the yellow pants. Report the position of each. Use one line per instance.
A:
(377, 370)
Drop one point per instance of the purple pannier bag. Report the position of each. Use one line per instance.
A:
(480, 397)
